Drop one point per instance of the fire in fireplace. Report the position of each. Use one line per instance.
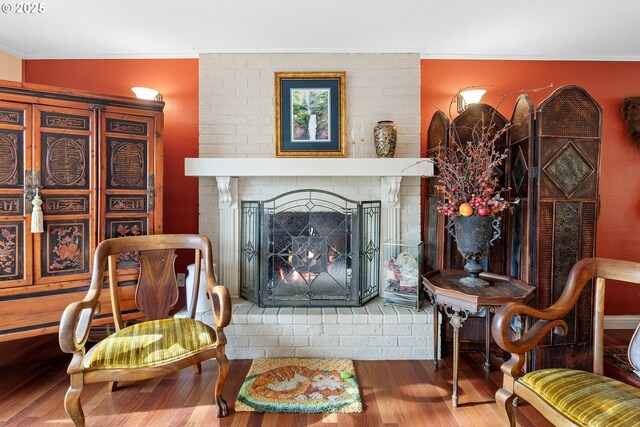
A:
(309, 248)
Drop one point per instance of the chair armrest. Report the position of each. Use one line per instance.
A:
(221, 305)
(75, 324)
(549, 319)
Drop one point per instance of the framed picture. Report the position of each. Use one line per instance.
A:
(310, 114)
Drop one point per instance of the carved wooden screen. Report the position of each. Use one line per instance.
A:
(128, 177)
(65, 157)
(437, 140)
(462, 128)
(15, 157)
(568, 152)
(521, 162)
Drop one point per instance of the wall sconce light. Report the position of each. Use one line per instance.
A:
(468, 97)
(147, 93)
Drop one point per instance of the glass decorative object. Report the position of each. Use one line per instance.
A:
(402, 272)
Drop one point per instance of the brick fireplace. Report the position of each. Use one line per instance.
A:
(236, 164)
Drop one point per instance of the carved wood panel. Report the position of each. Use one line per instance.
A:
(15, 156)
(11, 158)
(12, 251)
(55, 120)
(65, 161)
(569, 138)
(521, 162)
(11, 116)
(127, 127)
(123, 227)
(66, 246)
(434, 222)
(127, 164)
(125, 203)
(68, 204)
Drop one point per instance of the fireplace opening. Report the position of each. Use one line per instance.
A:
(309, 248)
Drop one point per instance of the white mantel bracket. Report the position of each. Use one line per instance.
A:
(227, 171)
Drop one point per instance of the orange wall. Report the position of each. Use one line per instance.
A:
(618, 234)
(177, 81)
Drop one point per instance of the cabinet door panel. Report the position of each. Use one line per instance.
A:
(67, 248)
(65, 156)
(127, 202)
(15, 157)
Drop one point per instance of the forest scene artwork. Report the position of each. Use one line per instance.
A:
(310, 110)
(311, 115)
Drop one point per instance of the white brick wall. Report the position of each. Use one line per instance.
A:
(237, 120)
(285, 332)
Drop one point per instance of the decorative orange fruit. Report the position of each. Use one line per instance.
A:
(465, 209)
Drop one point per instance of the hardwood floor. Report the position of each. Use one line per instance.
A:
(33, 382)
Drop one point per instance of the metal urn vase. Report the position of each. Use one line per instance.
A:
(474, 235)
(384, 138)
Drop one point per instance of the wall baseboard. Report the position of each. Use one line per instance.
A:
(621, 322)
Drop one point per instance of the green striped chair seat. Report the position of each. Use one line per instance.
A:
(585, 398)
(150, 343)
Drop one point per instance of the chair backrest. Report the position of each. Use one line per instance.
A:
(157, 287)
(634, 351)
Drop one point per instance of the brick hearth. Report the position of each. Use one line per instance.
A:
(371, 332)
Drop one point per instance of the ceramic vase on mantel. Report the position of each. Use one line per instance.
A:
(384, 138)
(474, 235)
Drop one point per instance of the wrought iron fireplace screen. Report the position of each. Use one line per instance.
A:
(309, 248)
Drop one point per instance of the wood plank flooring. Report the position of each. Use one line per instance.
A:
(33, 382)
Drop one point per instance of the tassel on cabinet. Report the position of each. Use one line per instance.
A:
(36, 214)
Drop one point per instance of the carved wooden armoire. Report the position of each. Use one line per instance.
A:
(96, 163)
(553, 168)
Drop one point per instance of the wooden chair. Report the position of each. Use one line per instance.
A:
(159, 345)
(567, 397)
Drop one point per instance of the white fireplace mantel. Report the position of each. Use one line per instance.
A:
(228, 170)
(237, 167)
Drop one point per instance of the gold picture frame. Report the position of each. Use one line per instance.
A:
(310, 114)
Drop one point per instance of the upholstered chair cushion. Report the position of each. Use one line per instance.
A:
(585, 398)
(150, 343)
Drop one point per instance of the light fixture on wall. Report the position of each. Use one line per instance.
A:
(147, 93)
(468, 97)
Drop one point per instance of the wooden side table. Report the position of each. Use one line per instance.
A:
(459, 302)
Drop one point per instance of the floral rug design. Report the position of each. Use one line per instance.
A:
(300, 385)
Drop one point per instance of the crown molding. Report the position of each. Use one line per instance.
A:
(182, 55)
(603, 58)
(422, 54)
(274, 50)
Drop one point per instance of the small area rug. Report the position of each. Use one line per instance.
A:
(300, 385)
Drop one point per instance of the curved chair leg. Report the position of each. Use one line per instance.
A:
(112, 386)
(197, 367)
(223, 370)
(505, 400)
(72, 405)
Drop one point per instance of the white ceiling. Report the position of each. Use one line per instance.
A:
(491, 29)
